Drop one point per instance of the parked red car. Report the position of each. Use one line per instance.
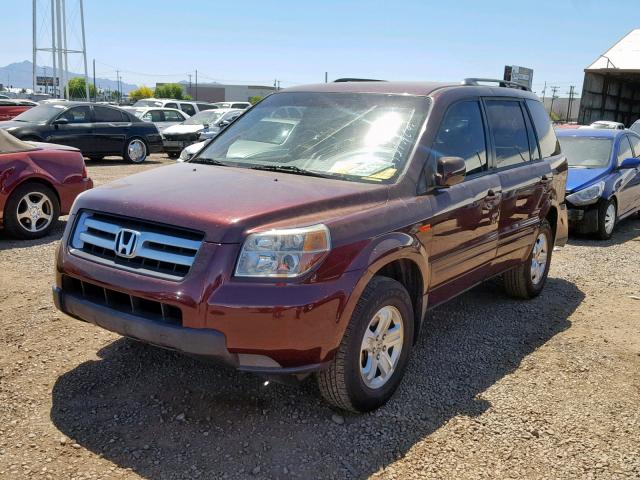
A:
(10, 108)
(38, 183)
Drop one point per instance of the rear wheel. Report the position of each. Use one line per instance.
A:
(373, 355)
(607, 218)
(173, 155)
(31, 211)
(135, 151)
(527, 280)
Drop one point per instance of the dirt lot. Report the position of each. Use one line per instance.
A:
(496, 388)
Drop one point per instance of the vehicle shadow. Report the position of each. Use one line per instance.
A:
(8, 243)
(626, 230)
(164, 415)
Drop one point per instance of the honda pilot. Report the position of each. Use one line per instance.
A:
(317, 244)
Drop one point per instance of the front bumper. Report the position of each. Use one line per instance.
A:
(583, 220)
(176, 146)
(202, 342)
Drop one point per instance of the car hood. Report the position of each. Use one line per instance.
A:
(179, 129)
(582, 177)
(12, 123)
(227, 202)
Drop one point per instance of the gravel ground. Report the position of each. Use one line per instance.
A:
(496, 388)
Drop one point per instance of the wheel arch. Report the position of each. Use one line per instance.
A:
(39, 180)
(401, 257)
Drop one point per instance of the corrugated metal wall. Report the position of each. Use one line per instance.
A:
(611, 96)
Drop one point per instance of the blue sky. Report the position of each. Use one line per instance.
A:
(296, 41)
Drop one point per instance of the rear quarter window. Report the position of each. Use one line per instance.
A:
(547, 139)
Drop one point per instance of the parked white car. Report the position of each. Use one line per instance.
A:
(191, 150)
(177, 137)
(162, 118)
(240, 105)
(606, 124)
(187, 106)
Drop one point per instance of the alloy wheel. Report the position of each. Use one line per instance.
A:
(539, 258)
(137, 150)
(381, 347)
(610, 218)
(34, 212)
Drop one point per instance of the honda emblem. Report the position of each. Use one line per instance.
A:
(126, 243)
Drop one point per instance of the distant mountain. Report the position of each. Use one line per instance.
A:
(20, 75)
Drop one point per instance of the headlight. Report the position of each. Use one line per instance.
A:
(588, 195)
(283, 253)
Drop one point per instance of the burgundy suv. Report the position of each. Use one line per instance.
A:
(316, 242)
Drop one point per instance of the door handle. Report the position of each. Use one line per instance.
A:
(546, 178)
(491, 194)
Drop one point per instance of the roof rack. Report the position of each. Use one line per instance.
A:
(341, 80)
(501, 83)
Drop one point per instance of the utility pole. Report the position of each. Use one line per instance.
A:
(189, 75)
(118, 85)
(95, 90)
(570, 102)
(553, 97)
(326, 77)
(196, 84)
(544, 92)
(35, 46)
(53, 50)
(66, 50)
(84, 52)
(278, 88)
(59, 31)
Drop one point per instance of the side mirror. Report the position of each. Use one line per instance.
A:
(223, 123)
(450, 171)
(60, 121)
(629, 163)
(206, 126)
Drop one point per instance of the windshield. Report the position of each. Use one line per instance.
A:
(147, 103)
(208, 116)
(40, 114)
(358, 137)
(586, 152)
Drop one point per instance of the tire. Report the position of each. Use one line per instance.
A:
(18, 224)
(343, 384)
(173, 155)
(132, 147)
(526, 281)
(605, 224)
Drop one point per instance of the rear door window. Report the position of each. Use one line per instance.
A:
(108, 115)
(77, 114)
(171, 105)
(205, 106)
(506, 121)
(462, 134)
(547, 139)
(188, 109)
(171, 116)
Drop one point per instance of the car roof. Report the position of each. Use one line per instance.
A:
(408, 88)
(590, 132)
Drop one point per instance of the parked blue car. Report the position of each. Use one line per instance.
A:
(603, 185)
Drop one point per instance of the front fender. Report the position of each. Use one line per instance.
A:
(377, 253)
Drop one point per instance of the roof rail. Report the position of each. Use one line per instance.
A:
(501, 83)
(340, 80)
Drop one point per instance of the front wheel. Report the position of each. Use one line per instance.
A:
(373, 355)
(607, 218)
(135, 151)
(31, 211)
(527, 280)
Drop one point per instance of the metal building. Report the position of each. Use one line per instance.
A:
(611, 88)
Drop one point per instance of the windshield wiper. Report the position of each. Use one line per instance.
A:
(209, 161)
(290, 169)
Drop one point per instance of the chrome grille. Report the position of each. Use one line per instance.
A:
(157, 250)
